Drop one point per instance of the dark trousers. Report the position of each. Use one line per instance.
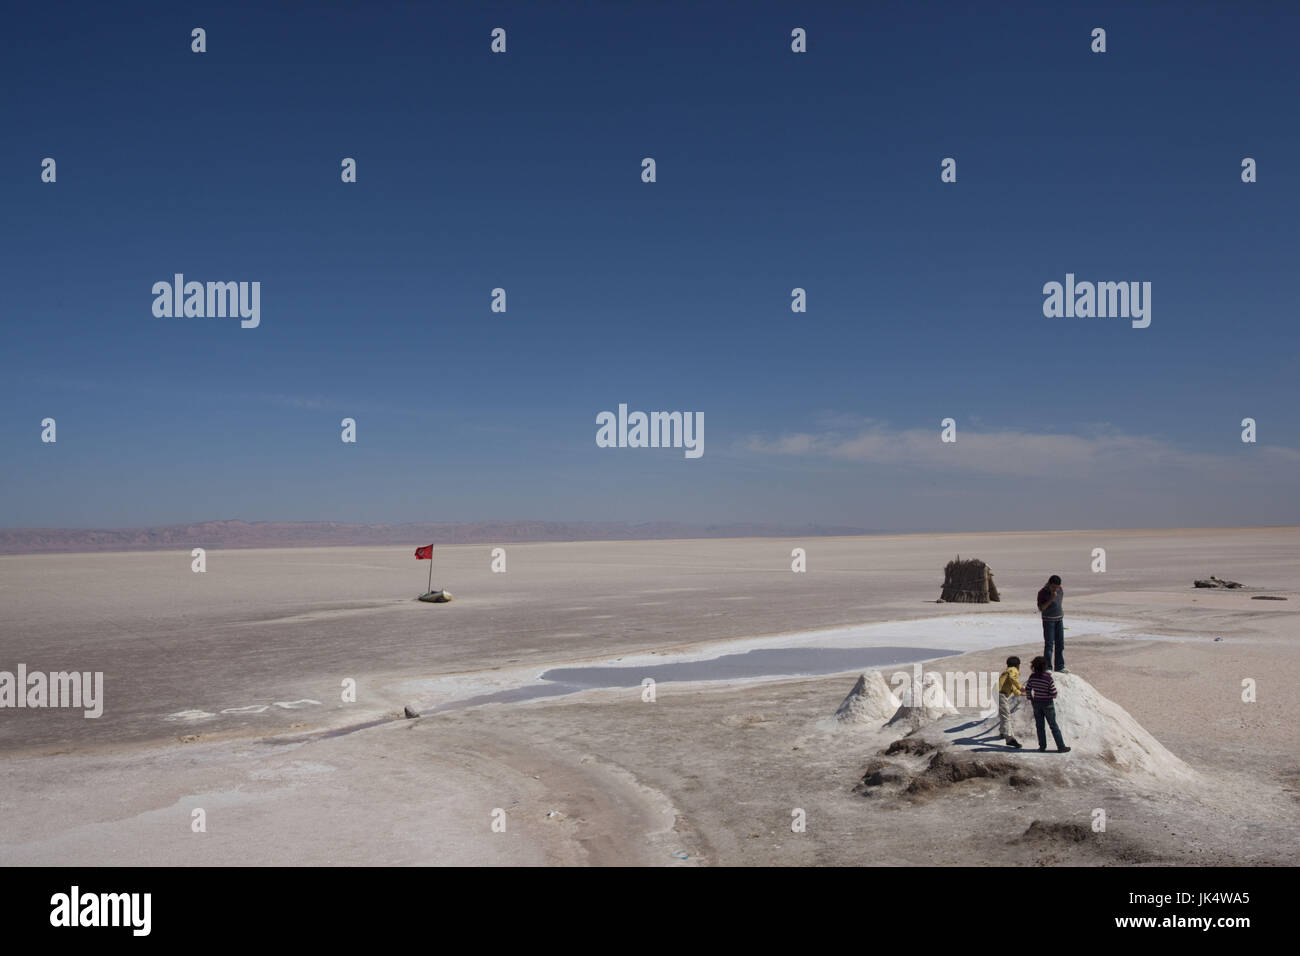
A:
(1045, 710)
(1054, 636)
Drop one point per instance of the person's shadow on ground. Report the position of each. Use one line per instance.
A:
(988, 742)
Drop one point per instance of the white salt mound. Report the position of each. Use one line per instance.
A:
(1093, 726)
(924, 703)
(870, 702)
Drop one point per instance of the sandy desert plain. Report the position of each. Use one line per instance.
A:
(224, 691)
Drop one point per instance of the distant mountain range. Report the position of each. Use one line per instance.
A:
(311, 534)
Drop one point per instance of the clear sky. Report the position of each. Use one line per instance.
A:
(775, 170)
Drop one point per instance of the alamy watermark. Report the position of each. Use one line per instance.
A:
(76, 908)
(212, 300)
(952, 688)
(55, 689)
(655, 430)
(1102, 300)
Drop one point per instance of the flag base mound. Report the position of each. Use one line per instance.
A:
(435, 597)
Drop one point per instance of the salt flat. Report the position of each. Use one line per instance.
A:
(249, 660)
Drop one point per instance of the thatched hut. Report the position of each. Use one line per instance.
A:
(968, 582)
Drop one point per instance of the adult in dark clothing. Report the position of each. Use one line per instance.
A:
(1050, 605)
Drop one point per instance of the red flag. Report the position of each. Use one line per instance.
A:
(425, 553)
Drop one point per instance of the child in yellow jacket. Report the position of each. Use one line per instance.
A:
(1008, 687)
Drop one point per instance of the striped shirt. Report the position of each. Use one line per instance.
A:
(1040, 687)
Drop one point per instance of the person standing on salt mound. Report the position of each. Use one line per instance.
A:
(1008, 687)
(1041, 691)
(1050, 604)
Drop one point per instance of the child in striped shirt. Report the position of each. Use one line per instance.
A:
(1041, 691)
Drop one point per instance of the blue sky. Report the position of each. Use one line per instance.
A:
(775, 170)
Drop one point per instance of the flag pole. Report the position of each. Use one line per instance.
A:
(430, 587)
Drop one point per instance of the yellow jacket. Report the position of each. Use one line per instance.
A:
(1009, 683)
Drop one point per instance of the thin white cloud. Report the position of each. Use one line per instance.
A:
(1009, 452)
